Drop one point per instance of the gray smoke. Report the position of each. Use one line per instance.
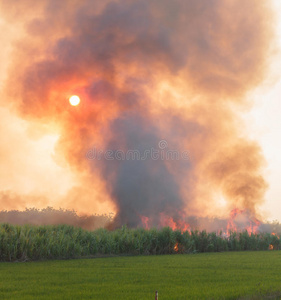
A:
(148, 71)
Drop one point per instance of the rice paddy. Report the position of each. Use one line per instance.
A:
(227, 275)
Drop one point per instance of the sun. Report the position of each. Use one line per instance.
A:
(74, 100)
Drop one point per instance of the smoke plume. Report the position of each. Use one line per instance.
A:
(177, 72)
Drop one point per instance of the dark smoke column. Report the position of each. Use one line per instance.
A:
(147, 71)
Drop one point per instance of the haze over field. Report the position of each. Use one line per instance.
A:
(163, 75)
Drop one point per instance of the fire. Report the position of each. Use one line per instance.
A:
(253, 228)
(231, 225)
(176, 247)
(174, 224)
(166, 221)
(145, 221)
(270, 247)
(239, 220)
(244, 220)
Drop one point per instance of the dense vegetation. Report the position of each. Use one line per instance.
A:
(240, 275)
(52, 216)
(62, 241)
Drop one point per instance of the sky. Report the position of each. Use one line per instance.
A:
(39, 145)
(265, 125)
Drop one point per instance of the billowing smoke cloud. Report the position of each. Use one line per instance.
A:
(147, 71)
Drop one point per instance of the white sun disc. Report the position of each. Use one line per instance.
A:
(74, 100)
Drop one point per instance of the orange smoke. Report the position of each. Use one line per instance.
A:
(148, 72)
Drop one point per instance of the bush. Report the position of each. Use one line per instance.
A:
(20, 243)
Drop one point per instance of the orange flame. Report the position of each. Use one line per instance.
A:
(253, 222)
(145, 221)
(253, 228)
(176, 247)
(166, 221)
(231, 225)
(174, 224)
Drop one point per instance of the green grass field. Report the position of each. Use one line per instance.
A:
(228, 275)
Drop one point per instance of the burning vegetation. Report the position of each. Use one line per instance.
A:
(238, 222)
(62, 241)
